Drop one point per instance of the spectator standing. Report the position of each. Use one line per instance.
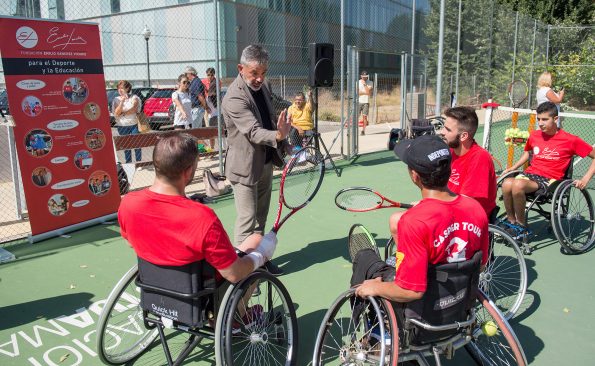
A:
(197, 91)
(365, 87)
(545, 93)
(181, 98)
(126, 106)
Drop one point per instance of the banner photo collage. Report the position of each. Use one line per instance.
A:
(56, 92)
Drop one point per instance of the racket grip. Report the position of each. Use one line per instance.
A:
(405, 205)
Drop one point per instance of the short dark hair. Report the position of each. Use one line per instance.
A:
(436, 179)
(210, 70)
(173, 154)
(548, 107)
(466, 119)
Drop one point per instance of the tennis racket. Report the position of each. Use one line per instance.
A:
(362, 199)
(301, 179)
(360, 238)
(517, 92)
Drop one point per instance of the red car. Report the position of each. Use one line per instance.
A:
(157, 108)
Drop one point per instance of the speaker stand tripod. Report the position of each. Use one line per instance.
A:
(318, 139)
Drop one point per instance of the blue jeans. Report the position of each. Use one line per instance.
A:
(130, 130)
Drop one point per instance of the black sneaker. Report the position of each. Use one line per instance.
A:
(273, 269)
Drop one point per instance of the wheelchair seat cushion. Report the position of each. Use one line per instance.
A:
(448, 298)
(186, 279)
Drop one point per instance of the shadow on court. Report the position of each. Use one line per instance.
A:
(28, 312)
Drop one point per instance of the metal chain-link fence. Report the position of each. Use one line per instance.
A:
(150, 43)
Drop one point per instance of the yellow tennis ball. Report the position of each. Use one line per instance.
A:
(489, 328)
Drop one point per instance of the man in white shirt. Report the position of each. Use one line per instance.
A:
(364, 92)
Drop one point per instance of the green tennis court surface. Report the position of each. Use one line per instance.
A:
(51, 296)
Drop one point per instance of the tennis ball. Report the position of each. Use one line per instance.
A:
(489, 328)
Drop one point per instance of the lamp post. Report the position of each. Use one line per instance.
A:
(147, 35)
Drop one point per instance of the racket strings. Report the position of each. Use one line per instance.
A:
(302, 178)
(358, 200)
(359, 239)
(518, 92)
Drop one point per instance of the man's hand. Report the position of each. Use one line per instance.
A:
(581, 183)
(283, 125)
(267, 245)
(368, 288)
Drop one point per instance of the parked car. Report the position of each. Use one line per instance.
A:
(279, 104)
(4, 102)
(157, 108)
(143, 93)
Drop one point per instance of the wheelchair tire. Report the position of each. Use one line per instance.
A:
(504, 279)
(121, 333)
(362, 336)
(503, 348)
(505, 276)
(267, 338)
(573, 218)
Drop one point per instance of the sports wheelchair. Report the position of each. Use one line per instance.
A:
(570, 214)
(252, 322)
(453, 313)
(504, 279)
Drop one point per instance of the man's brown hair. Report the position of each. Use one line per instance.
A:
(466, 118)
(173, 154)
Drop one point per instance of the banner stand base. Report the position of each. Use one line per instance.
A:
(6, 256)
(71, 228)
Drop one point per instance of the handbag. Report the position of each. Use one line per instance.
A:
(214, 183)
(142, 123)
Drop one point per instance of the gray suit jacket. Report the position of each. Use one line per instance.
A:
(246, 136)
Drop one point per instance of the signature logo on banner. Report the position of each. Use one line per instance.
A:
(62, 40)
(26, 37)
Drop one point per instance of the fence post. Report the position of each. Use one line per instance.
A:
(217, 87)
(532, 61)
(516, 29)
(403, 87)
(375, 96)
(342, 74)
(458, 53)
(440, 53)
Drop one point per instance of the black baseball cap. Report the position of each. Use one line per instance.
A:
(364, 73)
(425, 154)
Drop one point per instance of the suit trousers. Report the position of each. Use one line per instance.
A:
(252, 205)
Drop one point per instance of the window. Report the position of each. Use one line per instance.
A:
(115, 4)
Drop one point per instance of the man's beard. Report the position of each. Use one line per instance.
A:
(454, 144)
(252, 87)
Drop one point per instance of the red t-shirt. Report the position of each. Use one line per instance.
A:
(173, 230)
(473, 175)
(434, 232)
(552, 154)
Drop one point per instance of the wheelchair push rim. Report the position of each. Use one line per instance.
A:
(573, 218)
(501, 348)
(268, 338)
(121, 333)
(350, 337)
(505, 276)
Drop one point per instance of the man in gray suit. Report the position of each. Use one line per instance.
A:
(254, 142)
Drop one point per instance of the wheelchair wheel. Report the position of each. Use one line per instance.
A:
(355, 331)
(501, 348)
(573, 218)
(505, 276)
(121, 333)
(259, 329)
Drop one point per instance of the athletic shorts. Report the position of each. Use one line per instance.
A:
(542, 182)
(364, 108)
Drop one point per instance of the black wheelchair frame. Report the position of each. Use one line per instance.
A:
(565, 214)
(137, 311)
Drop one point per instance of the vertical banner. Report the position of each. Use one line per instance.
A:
(56, 92)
